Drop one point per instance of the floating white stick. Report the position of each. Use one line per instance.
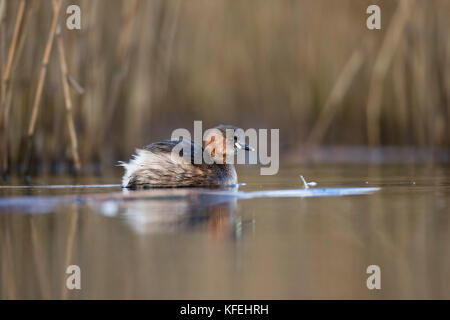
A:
(308, 184)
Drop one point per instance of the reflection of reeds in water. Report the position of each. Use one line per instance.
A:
(8, 274)
(147, 67)
(73, 222)
(41, 260)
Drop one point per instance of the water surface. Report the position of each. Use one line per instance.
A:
(178, 244)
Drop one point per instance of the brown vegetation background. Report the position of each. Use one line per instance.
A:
(139, 69)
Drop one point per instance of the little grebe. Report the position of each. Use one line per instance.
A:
(155, 167)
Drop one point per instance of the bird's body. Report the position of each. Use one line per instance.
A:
(158, 166)
(154, 166)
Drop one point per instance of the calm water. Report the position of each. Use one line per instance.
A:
(173, 244)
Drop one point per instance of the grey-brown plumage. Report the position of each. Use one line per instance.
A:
(157, 165)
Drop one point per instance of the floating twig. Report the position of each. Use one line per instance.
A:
(304, 182)
(308, 184)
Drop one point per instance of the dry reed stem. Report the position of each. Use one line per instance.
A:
(78, 88)
(334, 100)
(43, 71)
(2, 41)
(2, 10)
(2, 62)
(446, 93)
(68, 100)
(419, 90)
(382, 62)
(11, 88)
(400, 89)
(125, 36)
(439, 62)
(41, 80)
(168, 34)
(15, 37)
(5, 84)
(122, 59)
(95, 80)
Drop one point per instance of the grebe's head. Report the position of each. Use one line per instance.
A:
(222, 142)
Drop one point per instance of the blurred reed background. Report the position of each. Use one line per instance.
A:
(139, 69)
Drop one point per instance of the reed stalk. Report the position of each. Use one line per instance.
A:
(400, 91)
(68, 100)
(37, 98)
(336, 96)
(2, 66)
(122, 60)
(4, 115)
(168, 35)
(380, 68)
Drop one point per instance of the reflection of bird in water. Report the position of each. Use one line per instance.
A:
(163, 164)
(223, 222)
(175, 213)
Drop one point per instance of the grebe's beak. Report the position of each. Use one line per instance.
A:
(243, 146)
